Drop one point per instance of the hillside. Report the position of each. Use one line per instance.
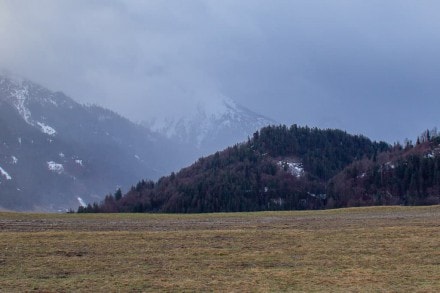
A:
(408, 175)
(54, 150)
(279, 168)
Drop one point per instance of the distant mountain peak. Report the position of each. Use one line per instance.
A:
(212, 125)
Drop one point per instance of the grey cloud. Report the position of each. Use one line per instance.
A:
(368, 67)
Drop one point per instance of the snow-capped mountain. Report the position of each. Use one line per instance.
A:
(54, 150)
(212, 126)
(57, 154)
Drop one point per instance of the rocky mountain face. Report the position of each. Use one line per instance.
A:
(56, 154)
(212, 126)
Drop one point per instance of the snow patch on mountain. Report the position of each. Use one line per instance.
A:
(390, 165)
(5, 174)
(294, 168)
(47, 129)
(81, 202)
(19, 102)
(430, 155)
(59, 144)
(50, 100)
(20, 94)
(55, 167)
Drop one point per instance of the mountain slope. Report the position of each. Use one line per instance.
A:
(55, 150)
(409, 176)
(279, 168)
(211, 126)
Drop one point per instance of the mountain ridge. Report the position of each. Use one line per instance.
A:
(64, 150)
(212, 126)
(56, 153)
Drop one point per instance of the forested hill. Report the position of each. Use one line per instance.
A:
(408, 175)
(278, 168)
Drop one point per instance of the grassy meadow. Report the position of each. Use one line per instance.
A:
(378, 249)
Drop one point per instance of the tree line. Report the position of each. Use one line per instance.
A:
(340, 169)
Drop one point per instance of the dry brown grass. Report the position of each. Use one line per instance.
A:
(381, 249)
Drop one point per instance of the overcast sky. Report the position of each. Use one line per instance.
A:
(368, 67)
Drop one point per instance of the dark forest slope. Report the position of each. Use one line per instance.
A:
(407, 175)
(278, 168)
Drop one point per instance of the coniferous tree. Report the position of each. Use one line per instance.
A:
(118, 194)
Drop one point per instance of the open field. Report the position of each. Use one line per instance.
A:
(380, 249)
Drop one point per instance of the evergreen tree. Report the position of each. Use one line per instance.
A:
(118, 194)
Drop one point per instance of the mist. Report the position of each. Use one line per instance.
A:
(368, 67)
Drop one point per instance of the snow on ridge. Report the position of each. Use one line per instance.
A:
(220, 108)
(55, 167)
(206, 115)
(51, 101)
(5, 174)
(79, 162)
(47, 129)
(231, 104)
(214, 108)
(19, 103)
(14, 160)
(209, 120)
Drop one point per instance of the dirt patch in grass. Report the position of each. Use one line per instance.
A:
(388, 249)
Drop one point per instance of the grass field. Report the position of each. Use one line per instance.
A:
(380, 249)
